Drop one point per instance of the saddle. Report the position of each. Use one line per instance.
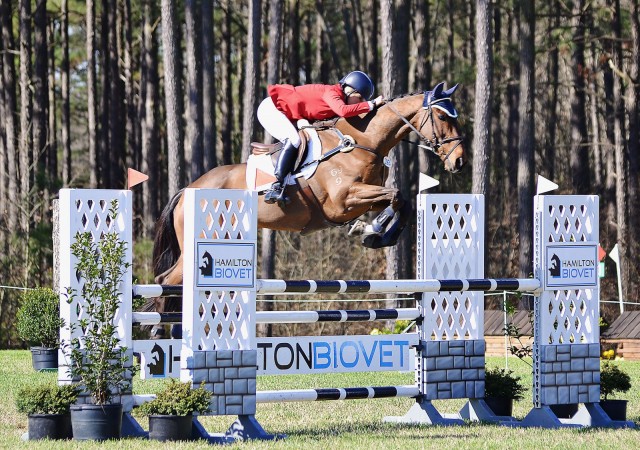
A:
(259, 149)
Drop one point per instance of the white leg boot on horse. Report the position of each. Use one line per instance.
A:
(284, 166)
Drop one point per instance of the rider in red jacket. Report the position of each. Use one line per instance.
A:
(287, 103)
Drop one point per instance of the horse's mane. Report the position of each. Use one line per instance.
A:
(408, 94)
(331, 123)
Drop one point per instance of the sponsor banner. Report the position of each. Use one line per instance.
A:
(159, 358)
(571, 265)
(331, 354)
(224, 264)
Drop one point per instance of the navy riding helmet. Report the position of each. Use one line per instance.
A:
(359, 81)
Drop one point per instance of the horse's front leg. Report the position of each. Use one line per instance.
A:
(385, 229)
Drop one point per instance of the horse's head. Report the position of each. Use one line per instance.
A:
(444, 139)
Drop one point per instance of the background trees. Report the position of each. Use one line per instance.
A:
(89, 88)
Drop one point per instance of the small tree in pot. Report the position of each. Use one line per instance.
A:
(47, 406)
(612, 380)
(38, 322)
(98, 362)
(501, 388)
(171, 412)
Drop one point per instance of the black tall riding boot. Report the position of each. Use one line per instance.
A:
(285, 163)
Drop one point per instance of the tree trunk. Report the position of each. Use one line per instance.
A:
(579, 149)
(484, 87)
(41, 99)
(526, 137)
(226, 86)
(149, 118)
(173, 96)
(52, 128)
(116, 110)
(91, 93)
(103, 108)
(26, 115)
(194, 89)
(422, 82)
(293, 76)
(631, 104)
(395, 47)
(552, 123)
(130, 95)
(10, 108)
(621, 155)
(64, 89)
(250, 95)
(208, 88)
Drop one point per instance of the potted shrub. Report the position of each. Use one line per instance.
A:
(171, 412)
(38, 322)
(501, 388)
(47, 407)
(612, 380)
(98, 362)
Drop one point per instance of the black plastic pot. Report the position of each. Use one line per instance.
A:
(501, 406)
(49, 426)
(615, 409)
(170, 428)
(566, 411)
(44, 358)
(96, 422)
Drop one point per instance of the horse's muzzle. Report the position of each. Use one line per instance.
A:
(456, 165)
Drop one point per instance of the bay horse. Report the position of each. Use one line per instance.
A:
(330, 199)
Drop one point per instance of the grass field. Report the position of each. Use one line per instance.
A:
(337, 425)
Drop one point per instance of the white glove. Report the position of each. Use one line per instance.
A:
(378, 101)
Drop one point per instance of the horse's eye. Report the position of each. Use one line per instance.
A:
(442, 117)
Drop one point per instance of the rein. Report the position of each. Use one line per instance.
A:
(429, 144)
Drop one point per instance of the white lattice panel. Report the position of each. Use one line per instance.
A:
(569, 316)
(451, 246)
(217, 319)
(87, 210)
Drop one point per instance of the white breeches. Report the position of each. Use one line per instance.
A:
(276, 123)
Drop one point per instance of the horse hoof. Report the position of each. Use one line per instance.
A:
(372, 240)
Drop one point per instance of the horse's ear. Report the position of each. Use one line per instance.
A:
(449, 92)
(437, 91)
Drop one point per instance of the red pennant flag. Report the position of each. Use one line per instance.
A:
(134, 177)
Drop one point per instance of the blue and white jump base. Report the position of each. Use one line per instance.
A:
(220, 347)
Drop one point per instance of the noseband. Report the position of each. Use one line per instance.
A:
(435, 143)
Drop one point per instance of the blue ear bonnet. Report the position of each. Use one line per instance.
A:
(441, 99)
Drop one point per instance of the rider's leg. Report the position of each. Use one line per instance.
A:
(286, 160)
(280, 127)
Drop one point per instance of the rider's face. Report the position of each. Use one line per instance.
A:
(354, 97)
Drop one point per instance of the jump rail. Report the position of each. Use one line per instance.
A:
(363, 286)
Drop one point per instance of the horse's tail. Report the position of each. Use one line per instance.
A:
(166, 249)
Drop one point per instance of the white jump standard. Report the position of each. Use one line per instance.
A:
(220, 348)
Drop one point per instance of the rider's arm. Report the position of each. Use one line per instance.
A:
(334, 99)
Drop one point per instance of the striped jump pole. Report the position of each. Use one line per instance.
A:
(156, 290)
(274, 317)
(270, 287)
(395, 286)
(325, 394)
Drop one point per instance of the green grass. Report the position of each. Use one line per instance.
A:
(336, 425)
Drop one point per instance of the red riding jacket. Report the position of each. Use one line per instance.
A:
(313, 101)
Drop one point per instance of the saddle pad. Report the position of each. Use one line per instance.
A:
(260, 176)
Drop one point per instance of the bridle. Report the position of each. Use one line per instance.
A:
(435, 143)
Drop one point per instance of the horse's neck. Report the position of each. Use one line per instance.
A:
(383, 130)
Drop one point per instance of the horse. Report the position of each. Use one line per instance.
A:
(327, 199)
